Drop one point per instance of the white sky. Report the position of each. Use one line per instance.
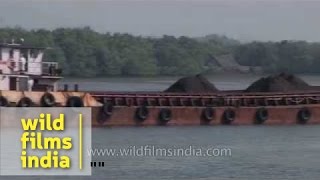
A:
(240, 19)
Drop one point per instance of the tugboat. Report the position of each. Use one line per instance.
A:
(27, 81)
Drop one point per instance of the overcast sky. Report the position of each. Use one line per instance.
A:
(240, 19)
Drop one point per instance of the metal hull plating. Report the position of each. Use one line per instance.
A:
(277, 115)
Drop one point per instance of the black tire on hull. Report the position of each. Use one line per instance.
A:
(208, 114)
(47, 100)
(165, 116)
(262, 115)
(105, 112)
(25, 102)
(74, 101)
(142, 113)
(228, 116)
(107, 109)
(304, 115)
(3, 101)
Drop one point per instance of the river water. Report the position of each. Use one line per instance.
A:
(222, 82)
(257, 152)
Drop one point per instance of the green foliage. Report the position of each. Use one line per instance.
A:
(85, 53)
(289, 56)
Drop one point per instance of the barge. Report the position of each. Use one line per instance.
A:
(238, 108)
(28, 81)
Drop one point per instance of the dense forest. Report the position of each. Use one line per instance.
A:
(84, 52)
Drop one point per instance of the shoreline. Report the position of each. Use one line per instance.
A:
(179, 76)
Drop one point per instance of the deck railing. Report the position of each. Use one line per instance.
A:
(49, 68)
(32, 68)
(205, 100)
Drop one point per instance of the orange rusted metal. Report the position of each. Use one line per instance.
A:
(187, 109)
(13, 97)
(278, 115)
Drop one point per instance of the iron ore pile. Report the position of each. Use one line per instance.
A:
(279, 83)
(282, 82)
(192, 84)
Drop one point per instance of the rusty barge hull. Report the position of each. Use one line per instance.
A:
(125, 116)
(228, 108)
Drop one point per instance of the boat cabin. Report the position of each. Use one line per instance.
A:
(22, 69)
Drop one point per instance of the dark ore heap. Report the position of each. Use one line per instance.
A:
(192, 84)
(278, 83)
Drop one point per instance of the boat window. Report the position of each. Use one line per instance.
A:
(24, 54)
(34, 53)
(11, 53)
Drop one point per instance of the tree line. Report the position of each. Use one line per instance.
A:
(83, 52)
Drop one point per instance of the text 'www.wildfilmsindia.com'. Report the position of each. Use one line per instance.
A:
(155, 151)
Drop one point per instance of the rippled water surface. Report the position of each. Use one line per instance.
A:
(258, 152)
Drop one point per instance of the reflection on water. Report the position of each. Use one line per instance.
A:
(258, 152)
